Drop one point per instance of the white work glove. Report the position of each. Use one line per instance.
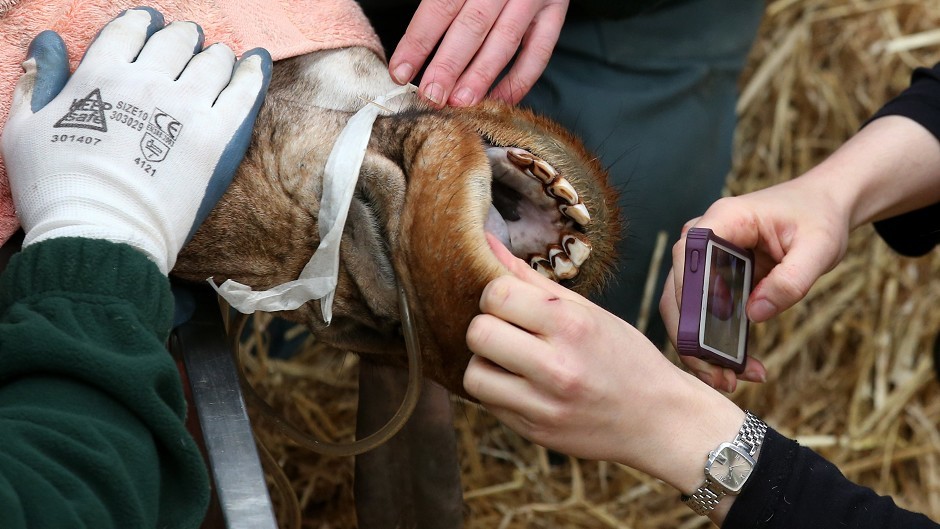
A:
(139, 144)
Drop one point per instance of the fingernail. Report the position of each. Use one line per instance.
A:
(754, 374)
(462, 97)
(403, 73)
(434, 93)
(761, 310)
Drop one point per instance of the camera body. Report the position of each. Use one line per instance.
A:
(716, 283)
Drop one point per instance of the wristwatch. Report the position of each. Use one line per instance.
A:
(728, 466)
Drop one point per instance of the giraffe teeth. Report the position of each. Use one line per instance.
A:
(578, 250)
(562, 265)
(562, 189)
(521, 158)
(543, 172)
(577, 212)
(543, 266)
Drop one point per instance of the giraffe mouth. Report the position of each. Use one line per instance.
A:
(536, 213)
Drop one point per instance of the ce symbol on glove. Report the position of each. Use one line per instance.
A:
(139, 143)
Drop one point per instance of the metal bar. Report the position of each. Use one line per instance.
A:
(226, 430)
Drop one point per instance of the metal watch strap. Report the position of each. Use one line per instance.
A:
(751, 434)
(749, 437)
(704, 499)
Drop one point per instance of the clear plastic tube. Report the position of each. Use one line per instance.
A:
(359, 446)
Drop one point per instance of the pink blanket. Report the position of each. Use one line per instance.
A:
(286, 28)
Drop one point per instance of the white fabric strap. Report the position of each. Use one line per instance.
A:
(318, 279)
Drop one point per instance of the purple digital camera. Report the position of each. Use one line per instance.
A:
(716, 283)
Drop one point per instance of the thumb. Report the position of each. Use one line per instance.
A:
(788, 282)
(46, 72)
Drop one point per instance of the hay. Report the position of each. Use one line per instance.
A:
(851, 367)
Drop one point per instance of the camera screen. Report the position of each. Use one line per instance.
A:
(724, 325)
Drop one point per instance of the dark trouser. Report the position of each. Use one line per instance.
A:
(654, 96)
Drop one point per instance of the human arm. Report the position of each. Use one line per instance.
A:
(478, 39)
(793, 486)
(91, 404)
(567, 375)
(570, 376)
(799, 229)
(915, 232)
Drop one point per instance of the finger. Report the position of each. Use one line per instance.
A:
(482, 380)
(427, 26)
(732, 221)
(460, 44)
(124, 37)
(678, 263)
(497, 51)
(521, 270)
(669, 308)
(730, 378)
(209, 72)
(169, 50)
(249, 83)
(754, 371)
(493, 386)
(527, 306)
(713, 375)
(242, 97)
(46, 72)
(511, 398)
(503, 343)
(789, 281)
(537, 47)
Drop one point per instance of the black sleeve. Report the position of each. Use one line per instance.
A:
(795, 487)
(917, 232)
(920, 101)
(914, 233)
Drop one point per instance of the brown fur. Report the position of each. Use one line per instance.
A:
(418, 214)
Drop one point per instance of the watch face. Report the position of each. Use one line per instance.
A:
(730, 467)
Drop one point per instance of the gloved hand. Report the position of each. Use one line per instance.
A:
(140, 143)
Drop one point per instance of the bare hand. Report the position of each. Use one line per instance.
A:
(799, 229)
(565, 373)
(480, 37)
(797, 232)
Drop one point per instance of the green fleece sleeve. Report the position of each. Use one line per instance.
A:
(92, 430)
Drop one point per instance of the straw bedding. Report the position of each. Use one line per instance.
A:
(851, 367)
